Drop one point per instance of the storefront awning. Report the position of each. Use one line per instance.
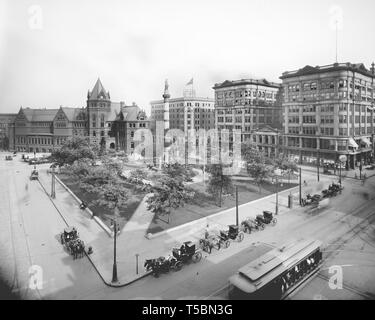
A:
(352, 143)
(366, 141)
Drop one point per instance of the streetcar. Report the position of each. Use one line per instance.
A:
(278, 273)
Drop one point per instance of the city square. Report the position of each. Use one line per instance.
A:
(221, 183)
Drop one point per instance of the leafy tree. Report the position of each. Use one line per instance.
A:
(139, 174)
(112, 194)
(74, 149)
(167, 194)
(258, 166)
(250, 152)
(260, 172)
(80, 168)
(219, 183)
(179, 171)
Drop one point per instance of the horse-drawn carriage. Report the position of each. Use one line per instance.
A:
(187, 252)
(266, 218)
(34, 175)
(70, 239)
(333, 190)
(249, 225)
(233, 233)
(162, 265)
(310, 199)
(180, 256)
(210, 242)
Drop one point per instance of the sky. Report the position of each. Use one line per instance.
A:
(52, 52)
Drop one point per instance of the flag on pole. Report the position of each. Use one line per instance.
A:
(190, 82)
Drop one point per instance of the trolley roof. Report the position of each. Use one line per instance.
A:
(270, 265)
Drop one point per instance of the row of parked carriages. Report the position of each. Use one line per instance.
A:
(187, 253)
(236, 233)
(333, 190)
(190, 252)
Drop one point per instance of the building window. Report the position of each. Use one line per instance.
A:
(132, 145)
(102, 120)
(94, 120)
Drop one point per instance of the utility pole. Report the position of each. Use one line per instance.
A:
(300, 185)
(237, 206)
(114, 224)
(317, 165)
(53, 185)
(277, 196)
(136, 262)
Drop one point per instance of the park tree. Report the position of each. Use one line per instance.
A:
(112, 194)
(258, 166)
(219, 183)
(179, 171)
(260, 172)
(74, 149)
(168, 193)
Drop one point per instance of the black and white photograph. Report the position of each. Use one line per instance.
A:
(197, 152)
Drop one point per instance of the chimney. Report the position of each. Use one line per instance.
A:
(373, 68)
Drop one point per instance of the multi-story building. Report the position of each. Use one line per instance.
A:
(123, 128)
(7, 131)
(328, 112)
(187, 112)
(253, 107)
(42, 130)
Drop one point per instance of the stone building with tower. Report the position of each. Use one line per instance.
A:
(42, 130)
(328, 111)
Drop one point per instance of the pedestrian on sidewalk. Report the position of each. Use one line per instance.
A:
(305, 183)
(206, 233)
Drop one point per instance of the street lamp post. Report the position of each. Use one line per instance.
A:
(115, 226)
(317, 166)
(277, 196)
(236, 205)
(300, 185)
(343, 159)
(53, 185)
(136, 262)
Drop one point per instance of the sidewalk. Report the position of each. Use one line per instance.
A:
(132, 239)
(344, 173)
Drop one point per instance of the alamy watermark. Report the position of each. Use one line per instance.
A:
(191, 147)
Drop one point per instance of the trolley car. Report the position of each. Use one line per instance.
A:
(278, 273)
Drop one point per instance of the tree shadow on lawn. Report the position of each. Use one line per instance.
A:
(102, 212)
(204, 205)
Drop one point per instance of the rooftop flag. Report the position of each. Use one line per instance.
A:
(190, 82)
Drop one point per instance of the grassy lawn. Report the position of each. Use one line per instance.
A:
(204, 205)
(101, 212)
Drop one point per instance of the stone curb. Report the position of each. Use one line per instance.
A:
(98, 220)
(155, 235)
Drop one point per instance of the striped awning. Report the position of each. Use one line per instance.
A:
(352, 143)
(366, 141)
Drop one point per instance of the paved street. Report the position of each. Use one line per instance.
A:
(29, 235)
(31, 225)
